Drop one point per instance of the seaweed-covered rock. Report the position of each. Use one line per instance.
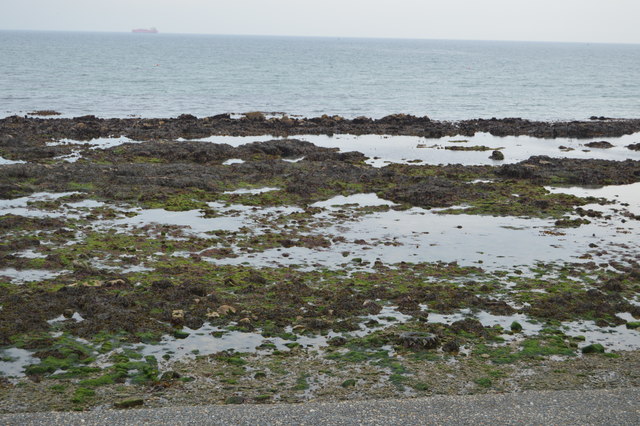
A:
(545, 169)
(496, 155)
(418, 340)
(451, 346)
(595, 348)
(469, 325)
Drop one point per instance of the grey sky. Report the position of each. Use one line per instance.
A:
(543, 20)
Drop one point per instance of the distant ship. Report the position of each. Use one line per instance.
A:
(151, 30)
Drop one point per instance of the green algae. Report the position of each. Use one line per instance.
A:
(529, 349)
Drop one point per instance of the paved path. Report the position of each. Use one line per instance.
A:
(602, 407)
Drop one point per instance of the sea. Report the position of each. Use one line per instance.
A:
(165, 75)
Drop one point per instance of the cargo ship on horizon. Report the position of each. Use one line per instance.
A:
(152, 30)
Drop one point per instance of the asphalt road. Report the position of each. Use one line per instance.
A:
(602, 407)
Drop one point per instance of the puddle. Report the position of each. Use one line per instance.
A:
(23, 202)
(234, 141)
(413, 235)
(14, 360)
(618, 338)
(627, 194)
(21, 276)
(191, 219)
(419, 235)
(5, 162)
(97, 143)
(251, 191)
(529, 327)
(69, 158)
(75, 317)
(232, 161)
(362, 200)
(293, 160)
(85, 204)
(230, 218)
(384, 149)
(481, 181)
(119, 268)
(406, 149)
(22, 206)
(30, 254)
(202, 342)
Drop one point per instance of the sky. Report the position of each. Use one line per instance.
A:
(594, 21)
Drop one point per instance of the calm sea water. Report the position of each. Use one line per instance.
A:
(116, 75)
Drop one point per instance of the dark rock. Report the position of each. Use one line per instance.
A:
(417, 340)
(337, 341)
(613, 284)
(220, 117)
(287, 243)
(469, 325)
(573, 171)
(184, 117)
(372, 307)
(256, 278)
(595, 348)
(255, 116)
(497, 155)
(86, 118)
(235, 400)
(599, 144)
(161, 285)
(129, 403)
(44, 112)
(451, 346)
(256, 124)
(317, 324)
(170, 375)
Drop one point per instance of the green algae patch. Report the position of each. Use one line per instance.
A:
(349, 383)
(483, 382)
(595, 348)
(137, 371)
(529, 349)
(302, 383)
(516, 198)
(82, 395)
(63, 354)
(185, 200)
(81, 186)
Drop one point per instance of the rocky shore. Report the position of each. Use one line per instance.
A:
(156, 269)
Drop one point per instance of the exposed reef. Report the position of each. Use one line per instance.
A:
(191, 127)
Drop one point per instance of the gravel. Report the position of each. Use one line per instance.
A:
(611, 407)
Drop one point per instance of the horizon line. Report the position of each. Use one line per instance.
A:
(329, 36)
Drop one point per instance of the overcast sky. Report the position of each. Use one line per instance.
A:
(535, 20)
